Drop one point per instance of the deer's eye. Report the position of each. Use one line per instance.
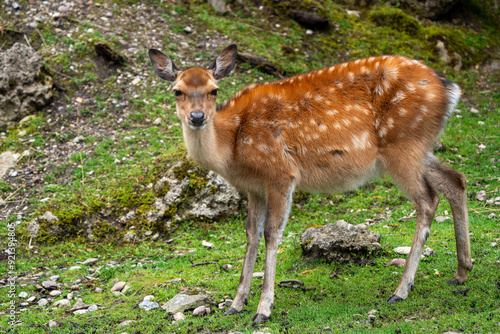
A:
(177, 92)
(214, 92)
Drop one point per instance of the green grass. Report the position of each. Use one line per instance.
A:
(92, 186)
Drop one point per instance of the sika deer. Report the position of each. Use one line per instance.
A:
(329, 130)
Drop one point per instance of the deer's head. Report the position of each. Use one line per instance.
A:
(195, 89)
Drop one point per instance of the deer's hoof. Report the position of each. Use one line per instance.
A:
(455, 281)
(259, 319)
(394, 299)
(231, 311)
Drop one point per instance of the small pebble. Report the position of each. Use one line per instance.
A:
(55, 293)
(179, 316)
(43, 302)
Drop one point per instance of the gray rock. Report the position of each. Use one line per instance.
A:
(98, 290)
(126, 323)
(63, 303)
(428, 252)
(24, 85)
(218, 5)
(118, 286)
(81, 311)
(7, 160)
(199, 311)
(396, 262)
(49, 285)
(481, 195)
(426, 8)
(54, 323)
(215, 200)
(55, 278)
(79, 305)
(33, 228)
(55, 293)
(188, 300)
(92, 308)
(129, 237)
(148, 305)
(339, 242)
(23, 294)
(74, 268)
(90, 261)
(403, 250)
(179, 316)
(31, 299)
(43, 302)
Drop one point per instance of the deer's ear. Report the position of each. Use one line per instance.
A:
(163, 65)
(224, 63)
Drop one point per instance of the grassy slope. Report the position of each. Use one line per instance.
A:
(432, 307)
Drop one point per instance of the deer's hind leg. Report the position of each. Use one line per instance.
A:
(409, 175)
(453, 186)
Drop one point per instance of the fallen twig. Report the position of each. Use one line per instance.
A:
(202, 264)
(461, 292)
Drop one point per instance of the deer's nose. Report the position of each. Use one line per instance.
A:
(197, 117)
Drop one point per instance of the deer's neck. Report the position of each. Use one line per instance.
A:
(208, 147)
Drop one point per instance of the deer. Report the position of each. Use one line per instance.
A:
(327, 131)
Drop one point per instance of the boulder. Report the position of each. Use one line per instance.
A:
(339, 242)
(24, 86)
(189, 192)
(188, 300)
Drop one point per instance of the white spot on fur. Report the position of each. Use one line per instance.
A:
(390, 123)
(430, 96)
(361, 141)
(337, 125)
(423, 109)
(382, 132)
(411, 88)
(315, 136)
(331, 112)
(423, 82)
(236, 120)
(402, 111)
(323, 128)
(400, 95)
(318, 98)
(346, 121)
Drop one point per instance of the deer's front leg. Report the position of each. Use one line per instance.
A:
(254, 230)
(279, 201)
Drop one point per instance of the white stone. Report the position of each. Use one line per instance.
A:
(92, 308)
(63, 303)
(179, 316)
(74, 268)
(55, 293)
(118, 286)
(43, 302)
(23, 294)
(207, 244)
(258, 274)
(54, 323)
(199, 311)
(90, 261)
(402, 250)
